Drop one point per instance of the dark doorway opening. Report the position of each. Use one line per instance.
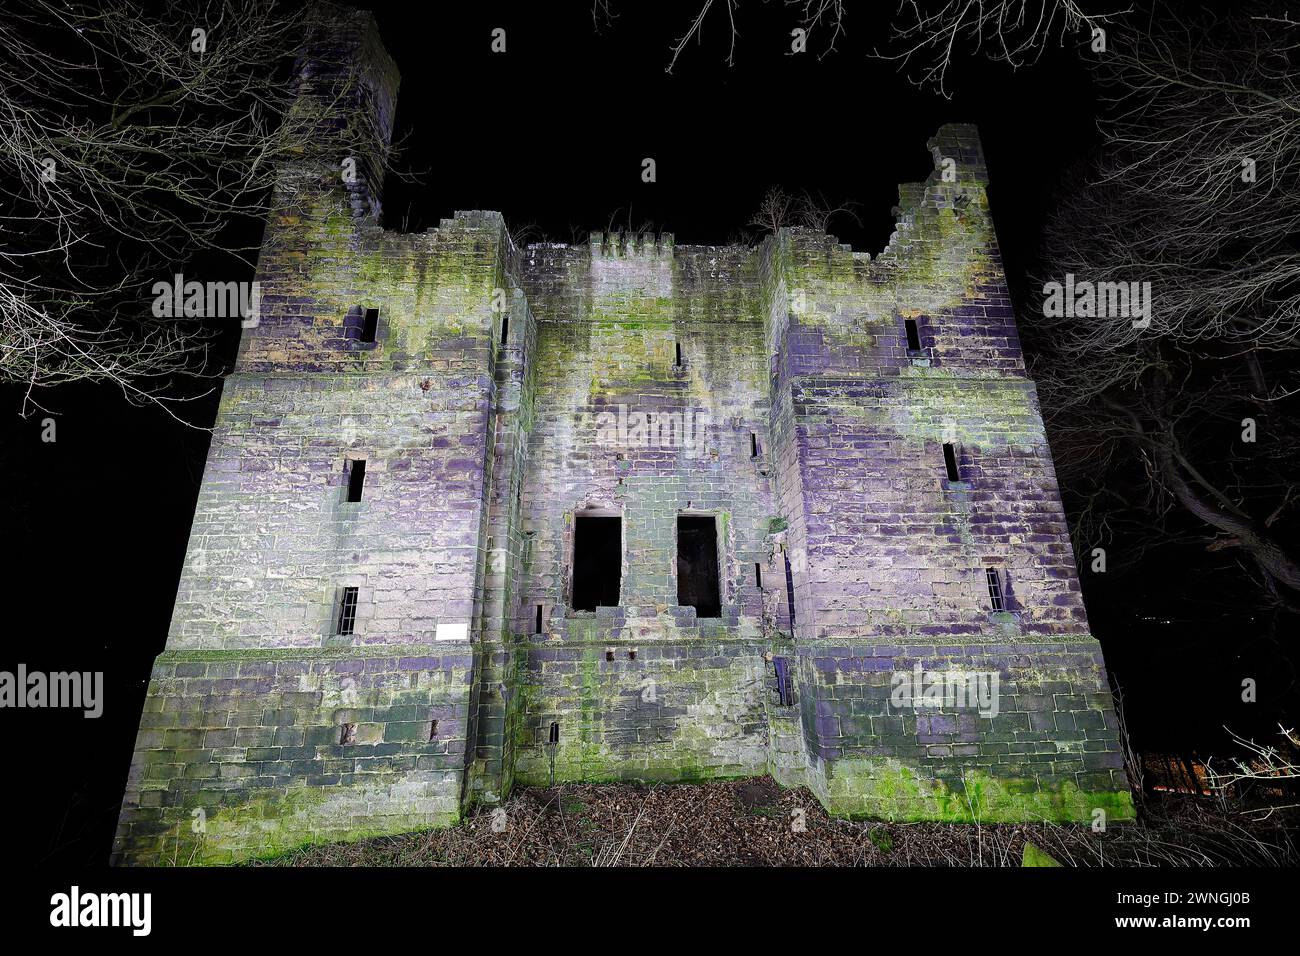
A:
(697, 565)
(597, 561)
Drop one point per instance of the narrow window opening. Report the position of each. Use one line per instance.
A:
(950, 461)
(784, 687)
(369, 325)
(597, 561)
(697, 565)
(609, 654)
(753, 445)
(348, 734)
(505, 328)
(631, 655)
(433, 730)
(555, 733)
(348, 611)
(678, 363)
(789, 588)
(537, 627)
(913, 335)
(758, 575)
(356, 478)
(995, 588)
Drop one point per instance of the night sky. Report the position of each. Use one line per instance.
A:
(552, 134)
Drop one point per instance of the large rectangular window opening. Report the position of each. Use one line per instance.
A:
(697, 565)
(597, 561)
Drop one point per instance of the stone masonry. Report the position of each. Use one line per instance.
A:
(508, 394)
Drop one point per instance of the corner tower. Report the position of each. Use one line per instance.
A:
(929, 548)
(318, 681)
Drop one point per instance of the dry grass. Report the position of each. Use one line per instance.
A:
(753, 823)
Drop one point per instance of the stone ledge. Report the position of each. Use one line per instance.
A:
(314, 653)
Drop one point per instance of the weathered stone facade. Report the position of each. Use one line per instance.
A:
(511, 392)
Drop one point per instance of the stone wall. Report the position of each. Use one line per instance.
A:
(242, 753)
(890, 554)
(510, 392)
(261, 718)
(650, 401)
(1050, 751)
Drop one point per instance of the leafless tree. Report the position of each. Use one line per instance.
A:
(1197, 192)
(780, 209)
(924, 34)
(927, 33)
(134, 137)
(776, 211)
(1272, 768)
(811, 16)
(816, 212)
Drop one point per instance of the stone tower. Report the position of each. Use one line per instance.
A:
(475, 515)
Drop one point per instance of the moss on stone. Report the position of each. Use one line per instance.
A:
(885, 789)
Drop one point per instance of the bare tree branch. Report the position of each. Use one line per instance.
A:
(131, 144)
(1182, 421)
(925, 33)
(1016, 32)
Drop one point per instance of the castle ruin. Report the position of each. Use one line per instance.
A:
(475, 515)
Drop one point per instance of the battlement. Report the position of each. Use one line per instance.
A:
(617, 245)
